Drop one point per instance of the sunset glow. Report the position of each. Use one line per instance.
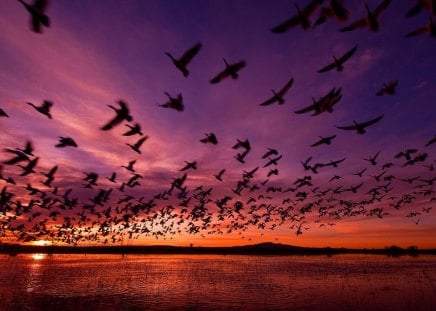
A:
(356, 170)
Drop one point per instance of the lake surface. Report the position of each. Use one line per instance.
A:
(217, 282)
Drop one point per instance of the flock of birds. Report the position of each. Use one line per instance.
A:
(112, 212)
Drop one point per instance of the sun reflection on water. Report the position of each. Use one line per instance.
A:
(39, 256)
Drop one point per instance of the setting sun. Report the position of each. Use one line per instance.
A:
(41, 243)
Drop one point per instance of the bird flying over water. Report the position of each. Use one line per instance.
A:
(278, 97)
(37, 12)
(360, 128)
(338, 63)
(371, 18)
(122, 114)
(231, 70)
(186, 58)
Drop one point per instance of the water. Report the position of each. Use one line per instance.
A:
(212, 282)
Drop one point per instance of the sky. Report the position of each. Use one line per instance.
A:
(96, 53)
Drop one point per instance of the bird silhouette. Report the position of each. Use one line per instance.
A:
(186, 58)
(175, 103)
(278, 97)
(338, 63)
(38, 16)
(335, 9)
(360, 128)
(431, 141)
(372, 160)
(324, 140)
(388, 89)
(301, 18)
(230, 71)
(210, 138)
(325, 103)
(430, 28)
(29, 168)
(122, 114)
(65, 142)
(44, 108)
(129, 166)
(189, 165)
(138, 144)
(371, 18)
(135, 129)
(20, 156)
(220, 175)
(3, 113)
(270, 152)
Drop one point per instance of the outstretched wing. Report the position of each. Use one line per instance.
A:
(327, 68)
(189, 54)
(353, 26)
(381, 7)
(371, 122)
(40, 5)
(219, 77)
(286, 25)
(307, 109)
(347, 128)
(417, 32)
(347, 55)
(288, 85)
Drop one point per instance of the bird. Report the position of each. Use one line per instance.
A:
(210, 138)
(325, 103)
(273, 161)
(338, 63)
(28, 148)
(360, 128)
(20, 156)
(230, 70)
(135, 129)
(371, 18)
(278, 97)
(242, 144)
(431, 141)
(388, 89)
(301, 18)
(430, 28)
(122, 114)
(66, 141)
(373, 159)
(112, 177)
(3, 113)
(360, 173)
(189, 165)
(186, 58)
(138, 144)
(129, 166)
(335, 9)
(28, 169)
(44, 108)
(324, 140)
(175, 103)
(220, 175)
(37, 12)
(420, 5)
(270, 152)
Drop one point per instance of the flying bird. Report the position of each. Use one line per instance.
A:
(373, 159)
(44, 108)
(65, 142)
(431, 141)
(335, 9)
(138, 144)
(230, 70)
(278, 97)
(175, 103)
(186, 58)
(37, 12)
(220, 175)
(324, 140)
(430, 28)
(3, 113)
(338, 63)
(189, 165)
(360, 128)
(388, 89)
(122, 114)
(135, 129)
(325, 103)
(210, 138)
(371, 18)
(270, 152)
(301, 18)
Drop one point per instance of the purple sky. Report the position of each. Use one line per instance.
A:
(97, 52)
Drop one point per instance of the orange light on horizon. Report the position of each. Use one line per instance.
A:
(41, 243)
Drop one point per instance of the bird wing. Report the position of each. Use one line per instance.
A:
(347, 55)
(416, 9)
(327, 68)
(319, 142)
(219, 77)
(269, 101)
(353, 26)
(347, 128)
(286, 87)
(371, 122)
(311, 7)
(381, 7)
(286, 25)
(36, 24)
(237, 66)
(189, 54)
(307, 109)
(417, 32)
(115, 121)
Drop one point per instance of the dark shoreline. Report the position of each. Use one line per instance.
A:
(257, 249)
